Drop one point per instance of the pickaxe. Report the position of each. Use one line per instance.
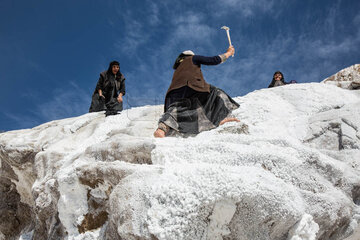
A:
(227, 29)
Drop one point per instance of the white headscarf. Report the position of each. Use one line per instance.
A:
(188, 52)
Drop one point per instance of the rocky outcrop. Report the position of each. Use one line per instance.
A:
(289, 170)
(348, 78)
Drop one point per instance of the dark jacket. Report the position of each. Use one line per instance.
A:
(111, 86)
(108, 81)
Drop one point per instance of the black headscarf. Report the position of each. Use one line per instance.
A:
(109, 71)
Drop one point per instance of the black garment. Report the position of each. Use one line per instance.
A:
(198, 112)
(111, 86)
(181, 93)
(198, 60)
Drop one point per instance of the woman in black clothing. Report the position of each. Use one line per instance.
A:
(278, 80)
(109, 91)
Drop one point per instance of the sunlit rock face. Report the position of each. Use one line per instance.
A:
(348, 78)
(289, 170)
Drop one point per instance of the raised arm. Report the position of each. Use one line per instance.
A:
(215, 60)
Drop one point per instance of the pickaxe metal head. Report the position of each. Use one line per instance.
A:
(225, 27)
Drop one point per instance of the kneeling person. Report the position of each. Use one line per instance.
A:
(191, 104)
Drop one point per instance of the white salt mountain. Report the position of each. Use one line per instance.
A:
(348, 78)
(289, 170)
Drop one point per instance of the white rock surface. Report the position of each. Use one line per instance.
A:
(305, 229)
(289, 170)
(348, 78)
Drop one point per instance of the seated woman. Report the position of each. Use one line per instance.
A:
(278, 80)
(191, 104)
(109, 91)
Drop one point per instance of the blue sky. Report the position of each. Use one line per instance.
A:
(51, 52)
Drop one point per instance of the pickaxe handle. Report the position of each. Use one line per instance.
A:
(228, 35)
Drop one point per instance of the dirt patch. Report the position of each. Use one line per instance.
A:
(91, 221)
(355, 192)
(14, 215)
(93, 183)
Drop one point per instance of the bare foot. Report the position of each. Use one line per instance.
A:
(232, 119)
(159, 133)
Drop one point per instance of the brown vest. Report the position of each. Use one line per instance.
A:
(189, 74)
